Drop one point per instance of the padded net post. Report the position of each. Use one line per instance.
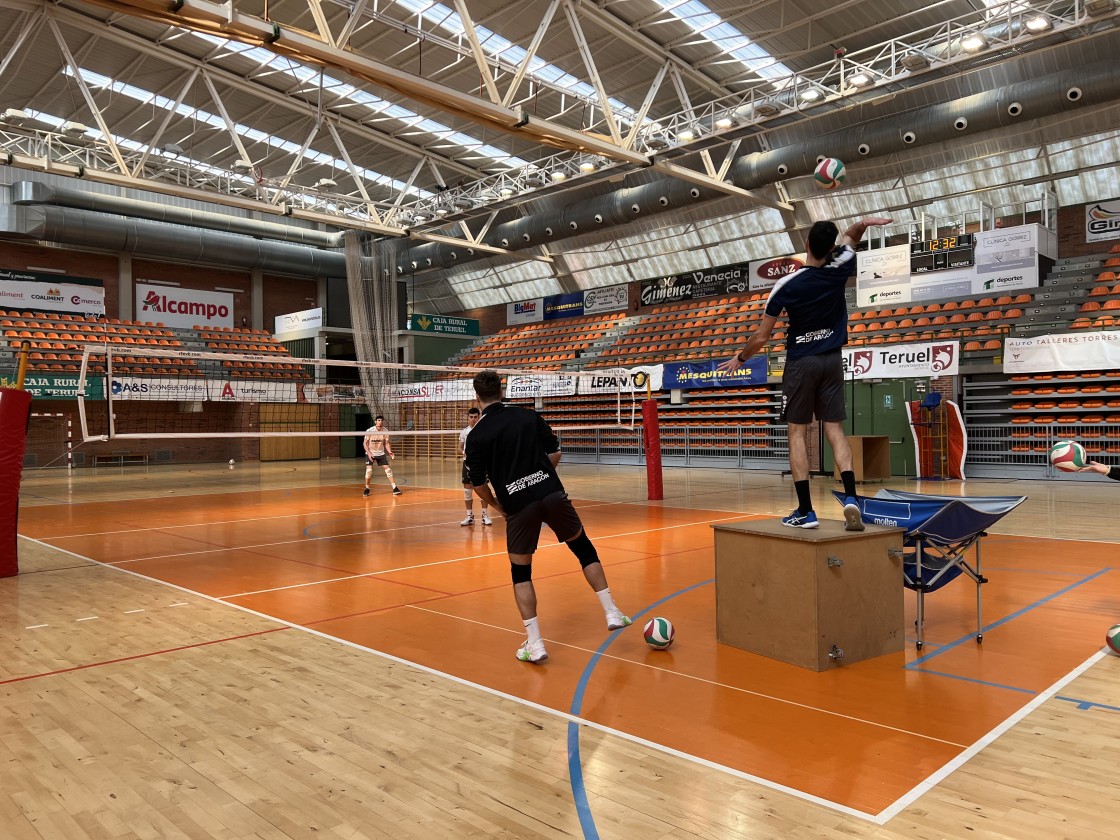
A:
(651, 438)
(15, 410)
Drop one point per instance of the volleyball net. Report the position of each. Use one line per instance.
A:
(124, 394)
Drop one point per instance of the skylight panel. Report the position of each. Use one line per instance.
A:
(712, 28)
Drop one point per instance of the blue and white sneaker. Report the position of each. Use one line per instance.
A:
(801, 520)
(853, 521)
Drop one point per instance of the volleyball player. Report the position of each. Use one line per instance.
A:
(813, 380)
(468, 489)
(517, 450)
(380, 452)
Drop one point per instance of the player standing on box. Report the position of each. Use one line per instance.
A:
(379, 451)
(517, 450)
(813, 380)
(468, 489)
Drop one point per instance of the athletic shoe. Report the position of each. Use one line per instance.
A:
(616, 620)
(486, 520)
(802, 520)
(396, 490)
(365, 492)
(853, 521)
(532, 652)
(469, 520)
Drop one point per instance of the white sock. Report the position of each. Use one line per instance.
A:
(533, 630)
(606, 600)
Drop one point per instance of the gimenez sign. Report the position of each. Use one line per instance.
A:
(183, 307)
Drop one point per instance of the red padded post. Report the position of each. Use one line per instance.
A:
(15, 410)
(651, 436)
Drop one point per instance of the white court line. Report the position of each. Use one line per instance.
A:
(715, 683)
(453, 560)
(87, 618)
(882, 818)
(130, 612)
(36, 626)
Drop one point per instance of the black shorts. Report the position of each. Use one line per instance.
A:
(380, 460)
(523, 529)
(814, 386)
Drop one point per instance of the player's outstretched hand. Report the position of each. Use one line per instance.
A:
(732, 364)
(1095, 466)
(877, 221)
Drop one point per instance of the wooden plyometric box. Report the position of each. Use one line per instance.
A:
(799, 595)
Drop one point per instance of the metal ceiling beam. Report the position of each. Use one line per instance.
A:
(223, 20)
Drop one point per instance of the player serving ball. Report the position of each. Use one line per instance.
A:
(813, 382)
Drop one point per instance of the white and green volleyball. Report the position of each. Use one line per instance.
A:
(659, 633)
(1068, 456)
(829, 174)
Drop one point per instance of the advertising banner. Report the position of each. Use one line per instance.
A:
(605, 299)
(525, 312)
(249, 391)
(183, 307)
(569, 305)
(308, 319)
(1102, 221)
(634, 381)
(34, 291)
(443, 324)
(43, 387)
(665, 290)
(1006, 259)
(883, 276)
(334, 394)
(138, 388)
(938, 358)
(1073, 352)
(763, 274)
(450, 390)
(706, 375)
(532, 385)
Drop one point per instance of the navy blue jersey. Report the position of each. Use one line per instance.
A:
(813, 299)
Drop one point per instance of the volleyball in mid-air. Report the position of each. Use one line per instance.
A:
(829, 174)
(659, 633)
(1068, 456)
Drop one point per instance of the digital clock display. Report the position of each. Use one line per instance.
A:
(948, 243)
(940, 254)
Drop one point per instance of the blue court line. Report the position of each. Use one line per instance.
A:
(1086, 705)
(575, 767)
(1029, 691)
(913, 666)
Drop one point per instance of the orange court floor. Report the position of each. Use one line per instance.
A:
(400, 578)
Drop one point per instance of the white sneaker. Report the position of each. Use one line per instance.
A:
(469, 520)
(616, 620)
(486, 520)
(533, 652)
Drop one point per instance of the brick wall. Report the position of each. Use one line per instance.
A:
(101, 267)
(287, 294)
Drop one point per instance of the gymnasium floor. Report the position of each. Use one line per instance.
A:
(609, 738)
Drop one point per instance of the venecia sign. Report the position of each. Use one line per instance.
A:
(177, 307)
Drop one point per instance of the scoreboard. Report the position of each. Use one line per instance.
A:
(941, 254)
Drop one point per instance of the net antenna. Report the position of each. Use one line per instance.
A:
(371, 266)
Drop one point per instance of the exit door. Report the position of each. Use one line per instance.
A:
(879, 408)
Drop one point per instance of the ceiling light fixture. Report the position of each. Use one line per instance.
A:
(859, 79)
(766, 109)
(686, 134)
(810, 95)
(325, 184)
(242, 167)
(558, 176)
(172, 149)
(974, 42)
(1096, 8)
(724, 122)
(587, 166)
(1039, 23)
(74, 128)
(914, 61)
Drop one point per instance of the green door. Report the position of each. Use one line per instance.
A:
(879, 408)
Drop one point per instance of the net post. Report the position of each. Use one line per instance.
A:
(651, 437)
(15, 411)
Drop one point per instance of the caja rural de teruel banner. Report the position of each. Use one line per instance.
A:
(177, 307)
(937, 358)
(1073, 352)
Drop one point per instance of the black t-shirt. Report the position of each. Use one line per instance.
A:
(510, 445)
(813, 298)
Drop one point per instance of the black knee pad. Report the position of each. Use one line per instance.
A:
(521, 573)
(584, 551)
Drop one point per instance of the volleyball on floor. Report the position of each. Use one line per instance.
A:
(1112, 637)
(1068, 456)
(659, 633)
(829, 174)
